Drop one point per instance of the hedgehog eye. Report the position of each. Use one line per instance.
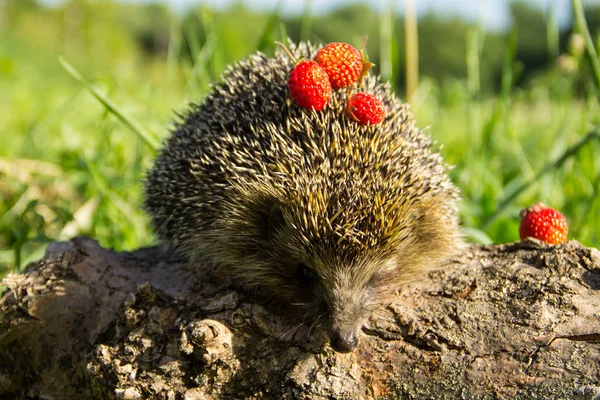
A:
(307, 274)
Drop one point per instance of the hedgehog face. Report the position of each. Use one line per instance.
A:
(346, 299)
(336, 285)
(332, 297)
(335, 293)
(348, 292)
(263, 245)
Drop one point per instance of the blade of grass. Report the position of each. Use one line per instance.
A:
(587, 206)
(211, 32)
(113, 197)
(265, 42)
(82, 220)
(283, 35)
(508, 67)
(473, 65)
(306, 21)
(412, 48)
(193, 40)
(552, 31)
(173, 55)
(201, 51)
(477, 235)
(501, 106)
(595, 134)
(473, 105)
(589, 43)
(395, 57)
(16, 210)
(110, 106)
(385, 41)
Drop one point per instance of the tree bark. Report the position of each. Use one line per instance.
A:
(519, 320)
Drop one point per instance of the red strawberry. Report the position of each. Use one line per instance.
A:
(365, 109)
(342, 62)
(543, 223)
(309, 85)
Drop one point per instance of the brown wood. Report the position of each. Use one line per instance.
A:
(508, 321)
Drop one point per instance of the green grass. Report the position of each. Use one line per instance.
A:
(74, 151)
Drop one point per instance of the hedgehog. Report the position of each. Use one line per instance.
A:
(305, 207)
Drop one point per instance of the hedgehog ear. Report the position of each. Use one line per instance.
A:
(275, 220)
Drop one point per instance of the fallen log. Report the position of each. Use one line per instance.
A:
(519, 320)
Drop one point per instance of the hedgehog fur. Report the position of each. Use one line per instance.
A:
(308, 207)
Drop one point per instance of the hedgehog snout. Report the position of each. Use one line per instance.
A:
(349, 305)
(344, 327)
(343, 341)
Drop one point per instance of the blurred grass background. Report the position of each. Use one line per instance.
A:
(512, 108)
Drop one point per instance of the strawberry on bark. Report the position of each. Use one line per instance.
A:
(544, 223)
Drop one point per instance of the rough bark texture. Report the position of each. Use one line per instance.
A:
(510, 321)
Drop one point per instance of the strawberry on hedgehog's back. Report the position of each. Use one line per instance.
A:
(307, 206)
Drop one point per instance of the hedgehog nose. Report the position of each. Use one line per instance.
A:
(343, 342)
